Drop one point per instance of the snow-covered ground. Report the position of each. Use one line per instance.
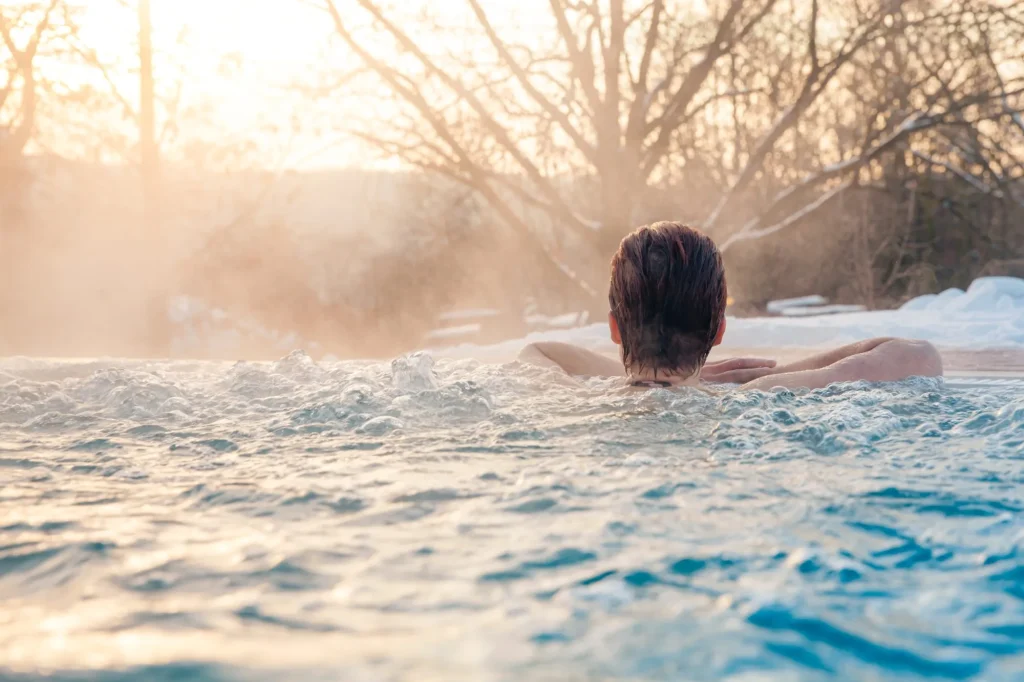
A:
(990, 314)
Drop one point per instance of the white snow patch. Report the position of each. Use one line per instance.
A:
(450, 332)
(990, 314)
(468, 314)
(788, 303)
(566, 321)
(823, 310)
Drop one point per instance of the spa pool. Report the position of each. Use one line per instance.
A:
(462, 521)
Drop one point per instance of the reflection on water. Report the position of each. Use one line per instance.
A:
(295, 520)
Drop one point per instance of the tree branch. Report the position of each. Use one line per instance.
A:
(818, 77)
(523, 78)
(638, 109)
(29, 53)
(499, 133)
(914, 123)
(582, 63)
(24, 59)
(747, 234)
(8, 87)
(966, 177)
(5, 33)
(671, 118)
(613, 53)
(92, 59)
(474, 175)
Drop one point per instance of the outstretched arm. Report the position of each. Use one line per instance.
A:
(877, 360)
(574, 360)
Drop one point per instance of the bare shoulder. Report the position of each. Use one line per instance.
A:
(920, 356)
(533, 355)
(572, 359)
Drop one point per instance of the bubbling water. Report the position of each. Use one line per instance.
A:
(456, 520)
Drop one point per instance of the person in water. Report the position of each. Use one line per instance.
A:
(668, 297)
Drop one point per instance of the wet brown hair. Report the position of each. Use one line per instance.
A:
(668, 297)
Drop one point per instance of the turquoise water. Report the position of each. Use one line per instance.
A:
(303, 521)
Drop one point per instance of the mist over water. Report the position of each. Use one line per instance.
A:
(348, 263)
(409, 521)
(881, 141)
(335, 178)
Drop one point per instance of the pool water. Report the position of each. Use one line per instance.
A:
(344, 521)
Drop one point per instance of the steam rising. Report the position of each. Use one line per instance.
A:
(475, 157)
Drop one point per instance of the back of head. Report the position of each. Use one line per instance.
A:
(668, 298)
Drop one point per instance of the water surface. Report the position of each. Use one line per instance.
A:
(304, 521)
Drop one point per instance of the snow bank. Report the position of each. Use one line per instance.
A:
(990, 314)
(986, 295)
(778, 307)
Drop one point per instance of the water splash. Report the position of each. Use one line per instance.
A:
(464, 521)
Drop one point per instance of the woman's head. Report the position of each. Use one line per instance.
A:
(668, 298)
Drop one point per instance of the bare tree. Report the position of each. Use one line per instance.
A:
(579, 120)
(31, 22)
(24, 31)
(536, 124)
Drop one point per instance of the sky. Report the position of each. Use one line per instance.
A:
(242, 61)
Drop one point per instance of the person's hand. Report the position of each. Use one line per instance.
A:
(737, 370)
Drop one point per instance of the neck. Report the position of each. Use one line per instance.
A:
(653, 377)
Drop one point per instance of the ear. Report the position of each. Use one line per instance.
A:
(614, 327)
(721, 333)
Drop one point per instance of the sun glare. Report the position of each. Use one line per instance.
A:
(237, 60)
(244, 62)
(272, 35)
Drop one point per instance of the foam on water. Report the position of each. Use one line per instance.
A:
(460, 521)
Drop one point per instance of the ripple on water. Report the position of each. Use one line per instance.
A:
(897, 660)
(41, 568)
(452, 520)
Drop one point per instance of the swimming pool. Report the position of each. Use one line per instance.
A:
(296, 520)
